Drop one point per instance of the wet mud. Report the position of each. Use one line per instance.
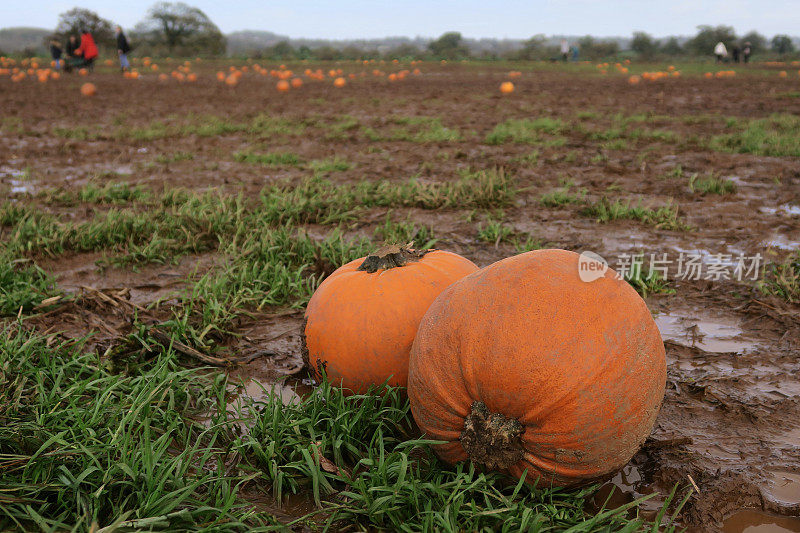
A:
(731, 415)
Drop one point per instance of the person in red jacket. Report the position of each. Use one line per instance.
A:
(87, 50)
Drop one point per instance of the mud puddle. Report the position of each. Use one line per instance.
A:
(626, 486)
(16, 180)
(291, 506)
(785, 210)
(752, 521)
(782, 491)
(715, 336)
(259, 390)
(782, 242)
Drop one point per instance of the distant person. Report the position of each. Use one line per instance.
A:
(123, 47)
(735, 53)
(574, 51)
(564, 50)
(55, 53)
(746, 52)
(71, 57)
(87, 50)
(721, 52)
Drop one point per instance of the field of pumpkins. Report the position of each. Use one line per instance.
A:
(240, 295)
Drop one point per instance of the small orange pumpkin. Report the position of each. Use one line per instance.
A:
(88, 89)
(525, 365)
(506, 87)
(339, 82)
(283, 86)
(297, 83)
(362, 319)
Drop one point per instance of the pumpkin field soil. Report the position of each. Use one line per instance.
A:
(569, 142)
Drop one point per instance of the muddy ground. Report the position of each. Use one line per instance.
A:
(731, 415)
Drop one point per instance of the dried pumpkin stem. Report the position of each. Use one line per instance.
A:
(391, 256)
(492, 439)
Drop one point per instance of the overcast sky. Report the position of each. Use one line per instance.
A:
(338, 19)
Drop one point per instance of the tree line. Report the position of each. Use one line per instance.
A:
(168, 29)
(178, 29)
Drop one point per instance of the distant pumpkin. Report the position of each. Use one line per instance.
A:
(88, 89)
(339, 82)
(506, 87)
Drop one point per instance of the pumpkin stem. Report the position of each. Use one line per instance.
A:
(492, 439)
(391, 256)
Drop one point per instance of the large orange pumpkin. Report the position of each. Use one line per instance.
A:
(524, 366)
(362, 319)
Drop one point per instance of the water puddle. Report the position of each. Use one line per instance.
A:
(18, 180)
(786, 209)
(782, 242)
(707, 258)
(626, 486)
(751, 521)
(20, 187)
(260, 391)
(13, 172)
(708, 335)
(783, 489)
(292, 506)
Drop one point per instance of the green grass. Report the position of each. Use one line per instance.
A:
(563, 195)
(777, 135)
(710, 185)
(342, 128)
(647, 282)
(413, 129)
(664, 217)
(112, 193)
(530, 159)
(88, 442)
(783, 279)
(495, 232)
(320, 201)
(260, 127)
(272, 159)
(23, 285)
(330, 164)
(524, 131)
(267, 261)
(525, 243)
(392, 232)
(83, 447)
(355, 456)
